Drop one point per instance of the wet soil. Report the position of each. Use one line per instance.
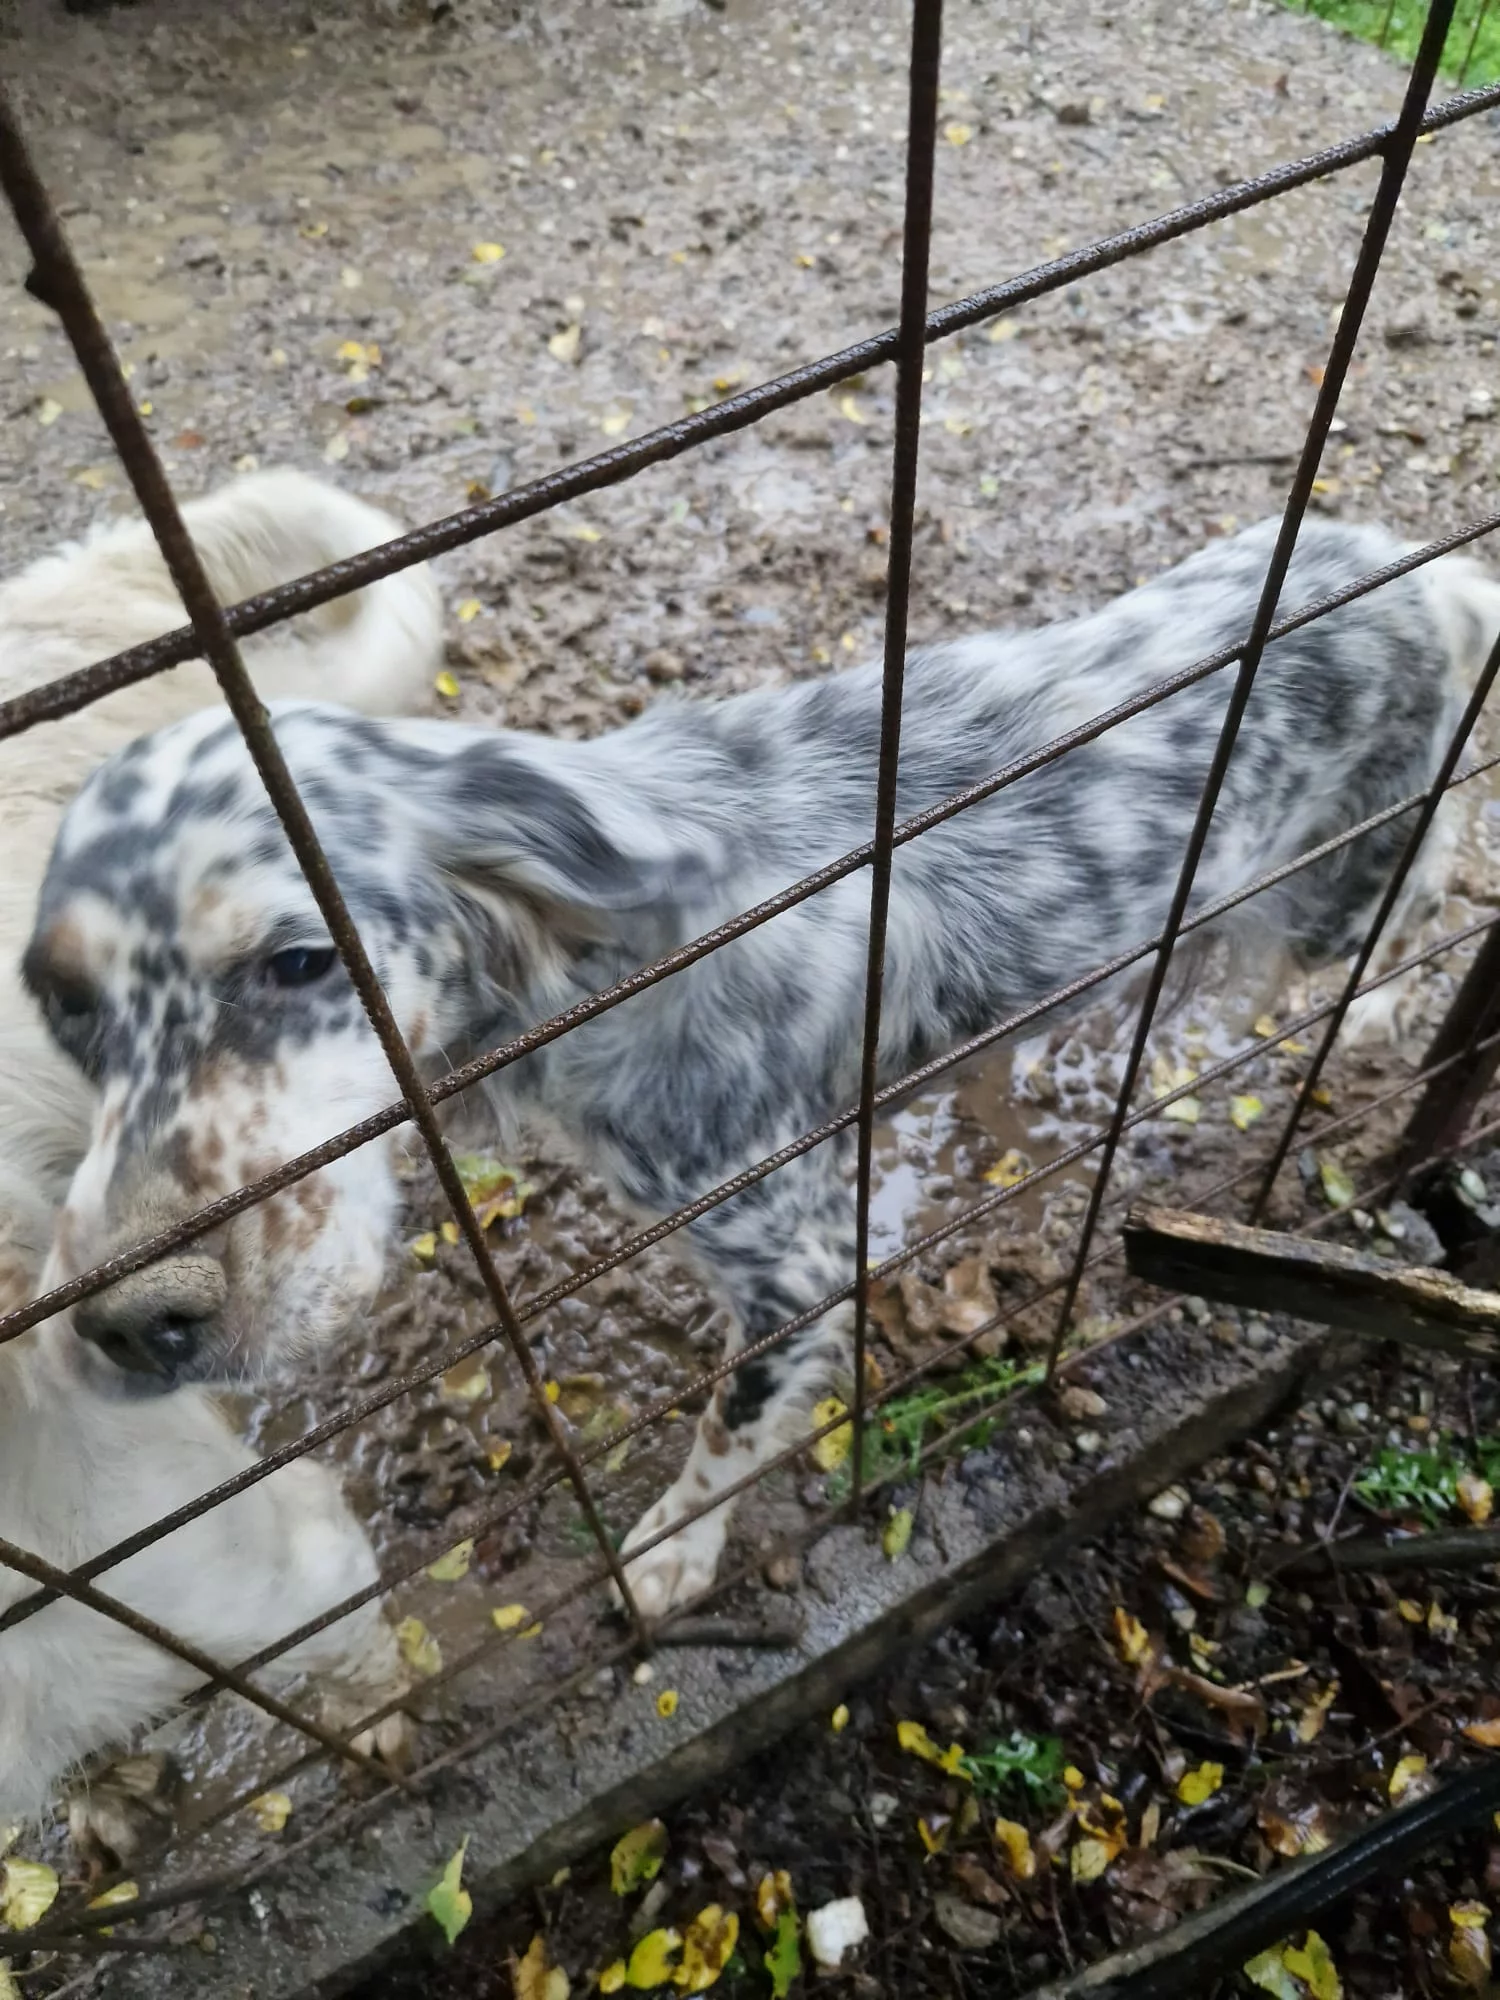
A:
(689, 198)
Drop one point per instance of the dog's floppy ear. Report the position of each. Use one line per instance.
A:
(521, 819)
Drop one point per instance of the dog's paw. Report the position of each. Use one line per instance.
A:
(393, 1740)
(679, 1569)
(1375, 1020)
(125, 1812)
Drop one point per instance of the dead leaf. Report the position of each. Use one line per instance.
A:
(830, 1452)
(1290, 1832)
(1485, 1734)
(1406, 1773)
(1016, 1842)
(534, 1978)
(963, 1925)
(773, 1896)
(1010, 1168)
(1268, 1971)
(636, 1857)
(455, 1564)
(1313, 1964)
(707, 1948)
(1089, 1859)
(976, 1881)
(1131, 1638)
(418, 1647)
(469, 1382)
(28, 1892)
(915, 1741)
(651, 1961)
(1315, 1714)
(896, 1537)
(1194, 1788)
(1245, 1112)
(1476, 1496)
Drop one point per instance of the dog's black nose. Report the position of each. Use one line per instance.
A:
(154, 1323)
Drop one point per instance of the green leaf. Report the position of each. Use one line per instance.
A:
(784, 1960)
(636, 1857)
(1033, 1761)
(897, 1536)
(1269, 1973)
(449, 1904)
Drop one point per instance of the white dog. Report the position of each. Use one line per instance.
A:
(79, 1473)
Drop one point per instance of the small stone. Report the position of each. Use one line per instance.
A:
(661, 665)
(882, 1805)
(784, 1571)
(1087, 1443)
(1074, 112)
(836, 1929)
(1407, 328)
(644, 1672)
(1078, 1403)
(1170, 1504)
(969, 1928)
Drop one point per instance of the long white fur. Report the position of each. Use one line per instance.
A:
(79, 1472)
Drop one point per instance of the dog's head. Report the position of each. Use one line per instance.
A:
(181, 961)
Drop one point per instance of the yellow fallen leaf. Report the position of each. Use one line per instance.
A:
(666, 1703)
(564, 346)
(1338, 1188)
(636, 1857)
(147, 408)
(582, 532)
(468, 611)
(48, 410)
(446, 684)
(612, 1978)
(1073, 1778)
(706, 1948)
(487, 253)
(1485, 1734)
(1003, 329)
(1410, 1610)
(933, 1830)
(915, 1741)
(614, 421)
(838, 1722)
(450, 1234)
(1244, 1112)
(1183, 1110)
(535, 1978)
(1089, 1859)
(724, 383)
(849, 409)
(272, 1810)
(1469, 1948)
(957, 133)
(1310, 1721)
(1010, 1168)
(313, 230)
(830, 1452)
(424, 1247)
(336, 450)
(1264, 1026)
(122, 1892)
(1194, 1787)
(1476, 1496)
(1468, 1916)
(533, 1631)
(896, 1537)
(1267, 1970)
(28, 1891)
(350, 279)
(651, 1961)
(498, 1456)
(1313, 1965)
(94, 477)
(449, 1903)
(1131, 1638)
(469, 1382)
(1016, 1842)
(552, 1390)
(418, 1647)
(1442, 1624)
(1405, 1775)
(450, 1567)
(804, 262)
(509, 1617)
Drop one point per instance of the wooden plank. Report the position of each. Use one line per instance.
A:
(1262, 1270)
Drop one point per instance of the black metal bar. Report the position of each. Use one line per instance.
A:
(1399, 875)
(911, 354)
(58, 282)
(1394, 164)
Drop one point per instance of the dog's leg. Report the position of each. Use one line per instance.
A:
(775, 1251)
(1381, 1016)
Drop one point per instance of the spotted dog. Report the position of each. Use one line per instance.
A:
(498, 877)
(81, 1471)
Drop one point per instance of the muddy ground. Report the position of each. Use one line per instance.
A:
(689, 198)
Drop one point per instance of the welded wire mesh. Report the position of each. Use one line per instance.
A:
(213, 632)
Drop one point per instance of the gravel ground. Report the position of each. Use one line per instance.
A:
(290, 213)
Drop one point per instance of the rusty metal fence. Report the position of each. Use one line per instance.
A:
(1452, 1077)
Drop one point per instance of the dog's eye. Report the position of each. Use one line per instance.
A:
(301, 965)
(71, 1003)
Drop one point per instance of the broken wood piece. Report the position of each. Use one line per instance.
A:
(1264, 1270)
(1457, 1548)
